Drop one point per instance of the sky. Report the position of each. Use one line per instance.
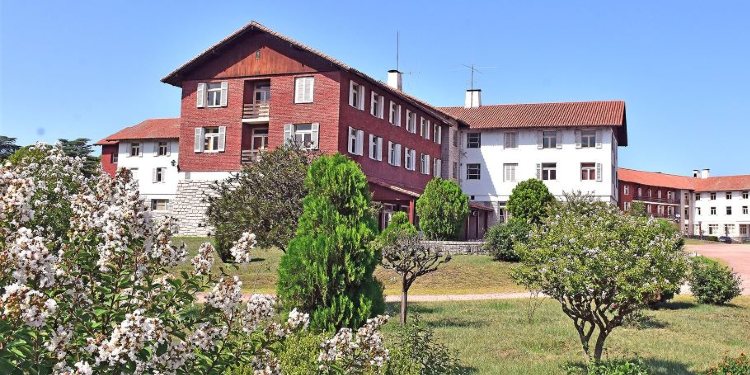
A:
(72, 69)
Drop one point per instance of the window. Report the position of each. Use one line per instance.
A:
(356, 95)
(744, 210)
(159, 174)
(472, 171)
(670, 195)
(454, 135)
(658, 194)
(473, 140)
(455, 169)
(356, 138)
(728, 229)
(424, 128)
(746, 195)
(640, 191)
(135, 149)
(713, 210)
(394, 154)
(626, 206)
(588, 138)
(729, 195)
(376, 148)
(303, 89)
(411, 121)
(511, 140)
(697, 211)
(409, 161)
(260, 139)
(437, 135)
(548, 171)
(159, 204)
(376, 105)
(549, 139)
(660, 210)
(394, 114)
(114, 157)
(134, 172)
(210, 139)
(713, 196)
(424, 163)
(303, 135)
(744, 229)
(437, 168)
(729, 210)
(649, 193)
(626, 189)
(713, 229)
(588, 171)
(697, 196)
(162, 149)
(212, 94)
(509, 172)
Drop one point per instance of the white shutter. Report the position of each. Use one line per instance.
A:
(413, 158)
(222, 138)
(504, 141)
(153, 175)
(141, 146)
(154, 148)
(169, 148)
(201, 95)
(598, 139)
(224, 93)
(309, 89)
(599, 171)
(438, 168)
(538, 171)
(397, 162)
(539, 138)
(288, 133)
(427, 164)
(199, 140)
(315, 135)
(349, 145)
(558, 139)
(398, 115)
(299, 84)
(380, 149)
(578, 139)
(360, 142)
(372, 141)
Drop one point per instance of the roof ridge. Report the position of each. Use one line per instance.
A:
(539, 103)
(659, 172)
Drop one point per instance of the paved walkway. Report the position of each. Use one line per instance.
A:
(735, 255)
(457, 297)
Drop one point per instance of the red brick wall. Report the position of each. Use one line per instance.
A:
(107, 165)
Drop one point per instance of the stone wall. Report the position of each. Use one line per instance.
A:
(460, 247)
(190, 208)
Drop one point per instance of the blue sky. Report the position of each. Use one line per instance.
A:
(85, 69)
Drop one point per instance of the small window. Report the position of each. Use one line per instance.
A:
(376, 105)
(159, 174)
(394, 114)
(698, 211)
(640, 192)
(454, 135)
(424, 128)
(549, 139)
(303, 136)
(213, 94)
(437, 168)
(409, 162)
(588, 139)
(509, 172)
(588, 172)
(394, 154)
(744, 210)
(729, 195)
(135, 149)
(376, 147)
(211, 139)
(473, 171)
(356, 140)
(729, 210)
(713, 210)
(159, 204)
(697, 196)
(114, 157)
(473, 140)
(437, 135)
(356, 95)
(713, 196)
(303, 89)
(746, 195)
(163, 149)
(713, 229)
(424, 163)
(626, 206)
(511, 140)
(626, 189)
(549, 171)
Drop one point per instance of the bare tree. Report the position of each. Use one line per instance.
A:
(411, 258)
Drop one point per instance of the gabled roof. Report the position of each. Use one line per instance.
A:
(723, 183)
(173, 78)
(156, 128)
(718, 183)
(546, 115)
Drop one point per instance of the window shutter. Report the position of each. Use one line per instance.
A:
(398, 116)
(397, 162)
(224, 93)
(439, 168)
(413, 158)
(380, 149)
(315, 135)
(558, 139)
(141, 146)
(538, 171)
(598, 139)
(222, 137)
(201, 95)
(287, 133)
(504, 142)
(153, 175)
(439, 135)
(539, 140)
(309, 89)
(578, 139)
(299, 84)
(599, 171)
(427, 164)
(169, 148)
(372, 141)
(198, 145)
(360, 142)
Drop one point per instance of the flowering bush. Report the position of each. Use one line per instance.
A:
(712, 282)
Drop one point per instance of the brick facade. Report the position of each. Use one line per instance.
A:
(108, 165)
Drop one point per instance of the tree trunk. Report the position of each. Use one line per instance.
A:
(599, 346)
(404, 291)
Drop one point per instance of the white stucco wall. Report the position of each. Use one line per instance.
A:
(146, 163)
(721, 218)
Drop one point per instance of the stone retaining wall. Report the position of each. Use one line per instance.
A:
(190, 208)
(460, 247)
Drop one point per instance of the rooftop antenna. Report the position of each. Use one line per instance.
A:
(472, 69)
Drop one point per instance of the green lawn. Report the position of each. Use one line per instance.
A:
(495, 337)
(464, 274)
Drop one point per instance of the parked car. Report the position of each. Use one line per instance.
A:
(725, 239)
(746, 240)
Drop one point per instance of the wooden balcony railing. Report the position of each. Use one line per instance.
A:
(249, 156)
(255, 110)
(656, 199)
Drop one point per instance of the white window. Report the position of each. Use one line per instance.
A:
(626, 189)
(376, 105)
(509, 172)
(697, 196)
(424, 128)
(213, 138)
(546, 171)
(424, 165)
(409, 156)
(744, 210)
(159, 174)
(670, 195)
(713, 210)
(626, 206)
(588, 171)
(473, 171)
(640, 192)
(356, 95)
(303, 89)
(744, 229)
(549, 139)
(356, 140)
(745, 194)
(212, 94)
(713, 196)
(114, 157)
(697, 210)
(437, 168)
(394, 114)
(713, 228)
(511, 140)
(376, 147)
(134, 172)
(729, 210)
(437, 134)
(159, 204)
(729, 195)
(588, 139)
(473, 140)
(660, 210)
(135, 149)
(162, 149)
(411, 121)
(394, 154)
(303, 135)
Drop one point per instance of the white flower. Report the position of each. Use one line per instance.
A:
(31, 306)
(204, 260)
(226, 295)
(133, 334)
(258, 309)
(241, 249)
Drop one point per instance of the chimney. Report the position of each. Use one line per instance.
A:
(696, 173)
(473, 98)
(394, 79)
(704, 173)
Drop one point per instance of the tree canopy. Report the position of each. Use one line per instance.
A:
(529, 201)
(442, 209)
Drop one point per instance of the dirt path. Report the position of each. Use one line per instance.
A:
(736, 256)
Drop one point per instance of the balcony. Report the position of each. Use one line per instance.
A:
(255, 112)
(249, 156)
(646, 198)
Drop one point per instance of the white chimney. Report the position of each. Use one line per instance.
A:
(704, 173)
(473, 98)
(696, 173)
(394, 79)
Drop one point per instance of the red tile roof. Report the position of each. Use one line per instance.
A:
(718, 183)
(156, 128)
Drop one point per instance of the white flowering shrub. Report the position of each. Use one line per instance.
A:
(355, 352)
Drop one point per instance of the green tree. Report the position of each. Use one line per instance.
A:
(7, 147)
(638, 208)
(501, 238)
(600, 264)
(328, 267)
(529, 201)
(442, 209)
(265, 197)
(81, 148)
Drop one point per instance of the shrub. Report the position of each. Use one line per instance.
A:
(442, 209)
(398, 227)
(529, 200)
(712, 282)
(414, 351)
(501, 238)
(618, 367)
(328, 267)
(732, 366)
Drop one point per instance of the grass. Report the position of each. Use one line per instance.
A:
(464, 274)
(495, 337)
